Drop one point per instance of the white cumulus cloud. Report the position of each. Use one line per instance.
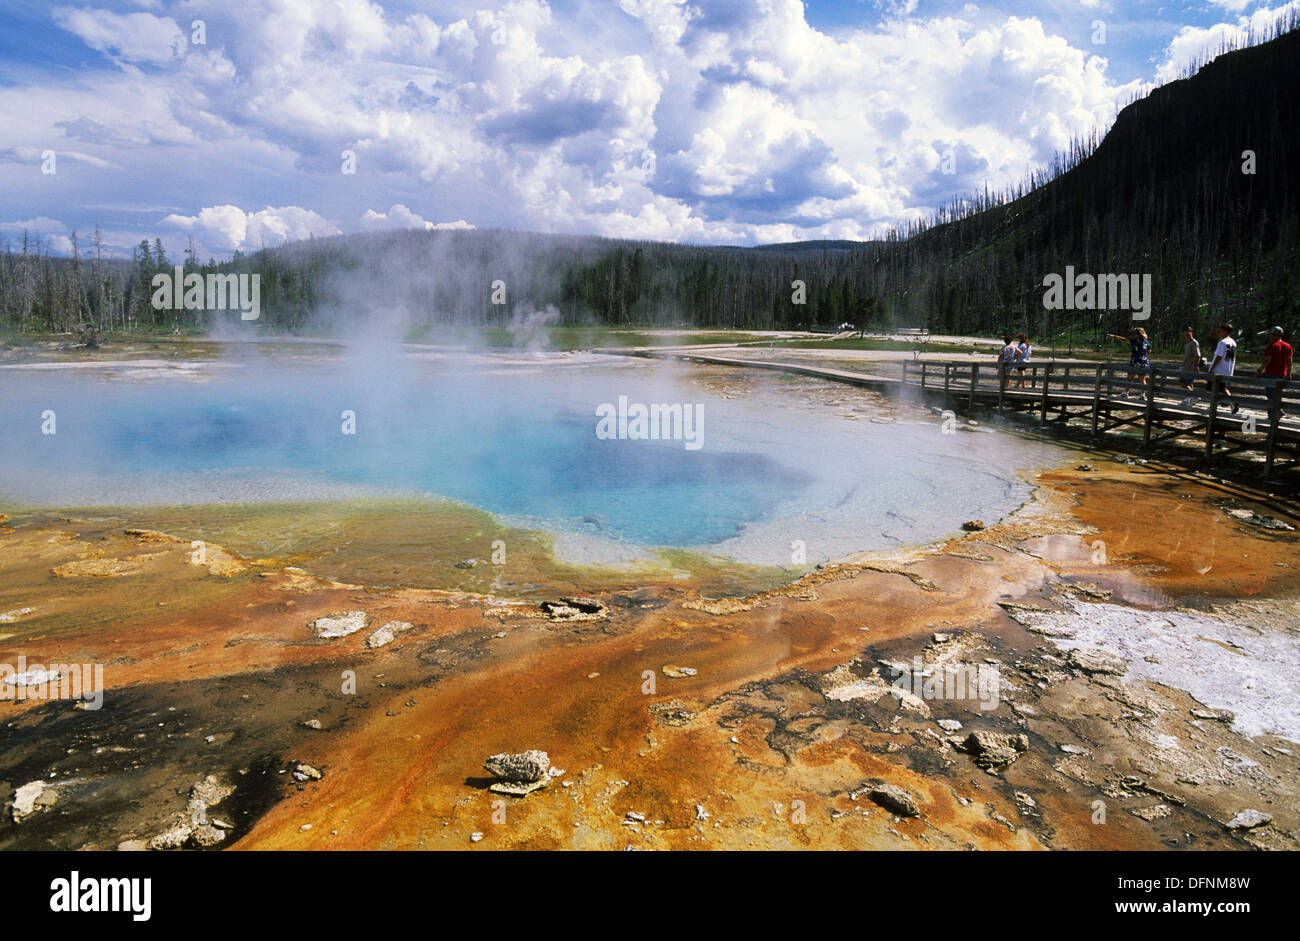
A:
(1194, 44)
(227, 227)
(400, 217)
(133, 37)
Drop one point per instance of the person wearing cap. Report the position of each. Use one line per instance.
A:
(1277, 362)
(1277, 357)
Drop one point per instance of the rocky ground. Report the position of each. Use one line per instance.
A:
(1128, 637)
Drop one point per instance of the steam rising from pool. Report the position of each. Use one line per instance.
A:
(514, 434)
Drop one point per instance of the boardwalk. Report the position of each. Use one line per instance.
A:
(1098, 397)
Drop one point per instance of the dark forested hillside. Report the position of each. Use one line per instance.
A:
(1197, 185)
(1166, 192)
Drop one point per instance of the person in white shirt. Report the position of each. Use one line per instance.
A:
(1225, 362)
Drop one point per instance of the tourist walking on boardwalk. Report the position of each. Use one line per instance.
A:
(1277, 363)
(1225, 362)
(1277, 357)
(1006, 358)
(1021, 359)
(1139, 357)
(1191, 362)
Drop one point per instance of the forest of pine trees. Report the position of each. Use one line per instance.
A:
(1167, 192)
(88, 293)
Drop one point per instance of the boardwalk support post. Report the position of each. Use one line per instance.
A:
(1209, 421)
(1047, 376)
(1274, 419)
(1151, 407)
(1096, 401)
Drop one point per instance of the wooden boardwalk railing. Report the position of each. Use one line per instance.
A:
(1266, 419)
(1099, 395)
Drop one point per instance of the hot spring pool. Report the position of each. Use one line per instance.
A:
(765, 478)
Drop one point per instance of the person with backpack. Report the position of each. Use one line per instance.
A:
(1021, 358)
(1005, 358)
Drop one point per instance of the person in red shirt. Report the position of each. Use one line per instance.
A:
(1277, 357)
(1276, 365)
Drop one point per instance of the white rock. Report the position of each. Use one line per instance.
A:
(1249, 819)
(32, 678)
(207, 835)
(172, 839)
(305, 772)
(340, 625)
(387, 634)
(30, 798)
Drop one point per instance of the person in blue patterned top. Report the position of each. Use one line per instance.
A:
(1006, 357)
(1139, 356)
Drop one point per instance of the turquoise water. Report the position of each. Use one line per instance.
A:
(517, 440)
(523, 457)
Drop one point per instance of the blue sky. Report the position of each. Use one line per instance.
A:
(237, 123)
(1138, 33)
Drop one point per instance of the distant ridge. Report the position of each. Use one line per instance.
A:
(813, 245)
